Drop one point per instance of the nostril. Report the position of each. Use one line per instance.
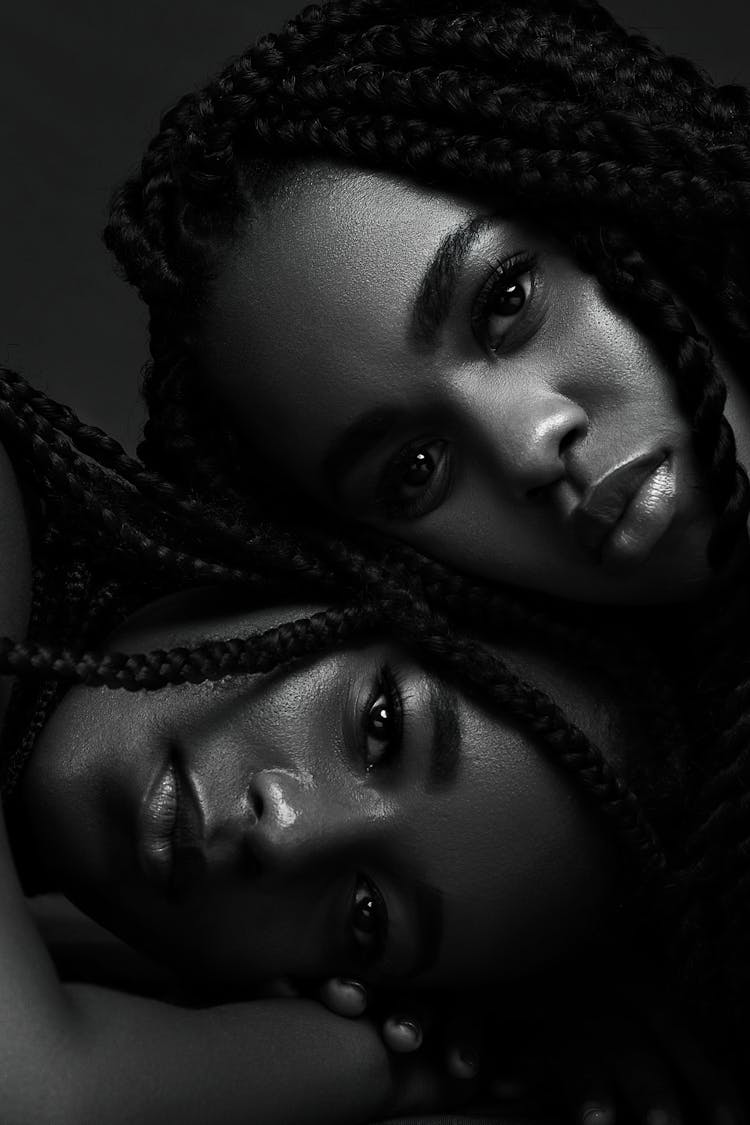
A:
(573, 434)
(252, 844)
(256, 801)
(567, 439)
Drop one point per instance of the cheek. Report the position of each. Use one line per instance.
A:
(297, 716)
(616, 365)
(245, 938)
(528, 868)
(73, 746)
(65, 789)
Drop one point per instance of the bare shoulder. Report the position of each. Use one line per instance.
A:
(15, 562)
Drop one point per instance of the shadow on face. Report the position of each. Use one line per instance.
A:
(354, 814)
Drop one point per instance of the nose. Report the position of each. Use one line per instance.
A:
(294, 821)
(532, 436)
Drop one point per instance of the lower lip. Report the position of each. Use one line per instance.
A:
(644, 522)
(157, 825)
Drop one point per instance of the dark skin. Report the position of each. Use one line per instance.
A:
(329, 776)
(415, 361)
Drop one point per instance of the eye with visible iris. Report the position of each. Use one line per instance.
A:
(502, 300)
(508, 300)
(416, 481)
(368, 921)
(382, 722)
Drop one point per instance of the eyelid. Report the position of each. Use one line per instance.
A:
(385, 508)
(387, 683)
(503, 273)
(368, 958)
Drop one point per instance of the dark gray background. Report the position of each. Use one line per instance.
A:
(82, 84)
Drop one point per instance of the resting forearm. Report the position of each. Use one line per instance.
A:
(79, 1053)
(278, 1061)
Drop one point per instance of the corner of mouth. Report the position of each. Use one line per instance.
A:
(607, 501)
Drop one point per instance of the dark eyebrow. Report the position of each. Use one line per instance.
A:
(353, 445)
(446, 740)
(445, 755)
(428, 903)
(435, 297)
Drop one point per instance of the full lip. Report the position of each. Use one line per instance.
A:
(606, 504)
(170, 830)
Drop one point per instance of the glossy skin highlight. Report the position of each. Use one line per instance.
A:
(308, 810)
(486, 385)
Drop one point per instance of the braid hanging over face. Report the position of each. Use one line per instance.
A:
(634, 159)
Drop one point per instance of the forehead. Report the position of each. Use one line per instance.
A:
(315, 301)
(527, 875)
(330, 226)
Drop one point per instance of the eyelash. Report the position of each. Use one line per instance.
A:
(388, 504)
(387, 684)
(368, 952)
(502, 276)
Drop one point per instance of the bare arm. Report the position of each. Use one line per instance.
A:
(283, 1061)
(71, 1053)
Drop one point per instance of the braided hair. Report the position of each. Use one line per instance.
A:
(635, 160)
(111, 534)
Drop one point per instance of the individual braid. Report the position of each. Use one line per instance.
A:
(205, 662)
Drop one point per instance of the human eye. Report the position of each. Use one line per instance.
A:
(368, 921)
(382, 722)
(415, 481)
(504, 300)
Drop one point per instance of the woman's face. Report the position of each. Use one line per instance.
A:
(356, 816)
(415, 362)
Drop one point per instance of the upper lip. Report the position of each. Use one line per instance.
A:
(172, 830)
(605, 501)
